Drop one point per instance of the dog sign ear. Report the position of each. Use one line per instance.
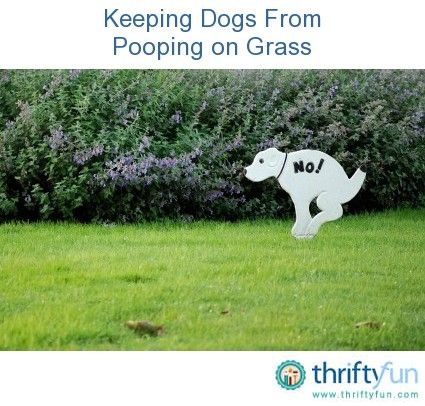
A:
(307, 175)
(274, 157)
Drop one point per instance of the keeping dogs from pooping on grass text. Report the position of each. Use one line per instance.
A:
(208, 22)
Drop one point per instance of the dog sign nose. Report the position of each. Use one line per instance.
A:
(244, 171)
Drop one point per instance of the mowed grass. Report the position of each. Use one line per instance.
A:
(215, 286)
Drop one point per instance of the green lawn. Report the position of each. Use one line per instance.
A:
(67, 286)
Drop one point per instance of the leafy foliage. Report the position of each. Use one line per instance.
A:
(141, 145)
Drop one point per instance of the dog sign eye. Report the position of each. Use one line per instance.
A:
(261, 161)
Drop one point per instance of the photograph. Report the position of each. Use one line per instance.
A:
(213, 209)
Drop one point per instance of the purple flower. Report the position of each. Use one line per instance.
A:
(297, 84)
(9, 124)
(213, 195)
(147, 164)
(176, 118)
(333, 91)
(145, 143)
(218, 91)
(418, 118)
(125, 115)
(4, 76)
(99, 179)
(74, 73)
(307, 140)
(167, 163)
(97, 150)
(51, 87)
(196, 153)
(26, 110)
(234, 144)
(271, 143)
(132, 114)
(57, 139)
(123, 170)
(275, 93)
(81, 157)
(128, 170)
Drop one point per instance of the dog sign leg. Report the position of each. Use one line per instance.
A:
(331, 210)
(303, 218)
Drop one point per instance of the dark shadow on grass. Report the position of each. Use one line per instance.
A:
(136, 278)
(82, 338)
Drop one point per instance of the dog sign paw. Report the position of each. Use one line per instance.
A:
(308, 175)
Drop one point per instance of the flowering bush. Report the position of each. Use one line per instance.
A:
(135, 145)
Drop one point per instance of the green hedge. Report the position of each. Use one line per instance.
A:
(135, 145)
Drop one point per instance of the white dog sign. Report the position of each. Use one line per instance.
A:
(308, 175)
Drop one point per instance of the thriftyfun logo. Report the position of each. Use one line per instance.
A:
(363, 373)
(290, 375)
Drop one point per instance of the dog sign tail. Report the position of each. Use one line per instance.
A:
(353, 186)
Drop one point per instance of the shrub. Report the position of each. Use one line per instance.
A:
(142, 145)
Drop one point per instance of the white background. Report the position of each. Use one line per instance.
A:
(59, 34)
(183, 378)
(354, 34)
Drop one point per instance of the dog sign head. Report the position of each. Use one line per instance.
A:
(266, 164)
